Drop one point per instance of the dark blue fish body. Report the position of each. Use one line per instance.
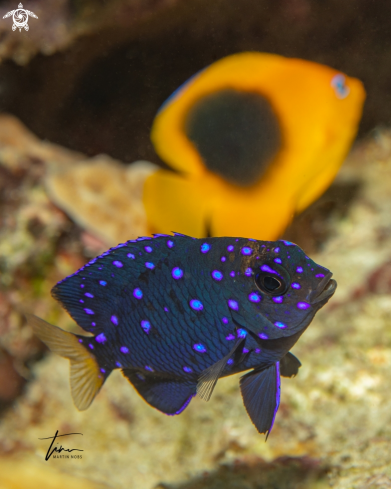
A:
(177, 313)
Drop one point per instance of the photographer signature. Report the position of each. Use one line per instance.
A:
(50, 451)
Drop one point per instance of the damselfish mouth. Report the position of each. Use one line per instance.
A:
(325, 289)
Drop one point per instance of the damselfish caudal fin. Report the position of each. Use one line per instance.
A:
(85, 376)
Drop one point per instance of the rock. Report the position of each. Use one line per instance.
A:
(103, 196)
(333, 423)
(61, 23)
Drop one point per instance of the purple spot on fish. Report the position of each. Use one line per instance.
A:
(303, 305)
(81, 300)
(245, 350)
(147, 367)
(319, 275)
(170, 243)
(93, 324)
(138, 293)
(148, 249)
(205, 247)
(196, 305)
(177, 273)
(233, 304)
(199, 347)
(299, 270)
(82, 286)
(103, 282)
(266, 268)
(89, 311)
(87, 294)
(80, 341)
(295, 285)
(91, 346)
(149, 265)
(166, 309)
(254, 297)
(248, 272)
(276, 250)
(263, 336)
(246, 251)
(277, 260)
(280, 325)
(241, 333)
(257, 350)
(118, 264)
(131, 256)
(114, 320)
(101, 338)
(288, 243)
(103, 370)
(217, 275)
(232, 273)
(230, 337)
(225, 320)
(278, 300)
(230, 361)
(230, 248)
(223, 259)
(124, 349)
(146, 325)
(188, 370)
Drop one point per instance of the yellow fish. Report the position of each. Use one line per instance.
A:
(253, 139)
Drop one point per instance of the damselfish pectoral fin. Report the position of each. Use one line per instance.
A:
(210, 376)
(170, 396)
(289, 365)
(261, 396)
(85, 376)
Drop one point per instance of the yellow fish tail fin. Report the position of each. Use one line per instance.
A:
(85, 376)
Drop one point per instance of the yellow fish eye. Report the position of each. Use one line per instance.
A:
(338, 82)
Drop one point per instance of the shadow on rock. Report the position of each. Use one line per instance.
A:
(256, 473)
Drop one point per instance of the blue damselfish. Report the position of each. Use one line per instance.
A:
(176, 313)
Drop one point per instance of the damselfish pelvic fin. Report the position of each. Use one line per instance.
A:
(210, 376)
(85, 376)
(170, 396)
(261, 396)
(289, 365)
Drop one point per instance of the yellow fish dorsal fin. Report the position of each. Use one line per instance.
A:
(85, 376)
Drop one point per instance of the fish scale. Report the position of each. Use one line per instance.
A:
(176, 313)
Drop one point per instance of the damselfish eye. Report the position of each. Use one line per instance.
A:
(272, 279)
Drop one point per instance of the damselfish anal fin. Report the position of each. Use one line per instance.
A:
(168, 395)
(85, 376)
(289, 365)
(261, 396)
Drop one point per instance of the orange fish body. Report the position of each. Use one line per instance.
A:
(253, 139)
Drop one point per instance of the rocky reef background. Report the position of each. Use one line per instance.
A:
(87, 79)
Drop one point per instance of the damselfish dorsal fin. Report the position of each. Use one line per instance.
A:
(261, 396)
(85, 376)
(289, 365)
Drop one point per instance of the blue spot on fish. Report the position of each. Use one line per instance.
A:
(177, 273)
